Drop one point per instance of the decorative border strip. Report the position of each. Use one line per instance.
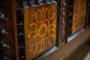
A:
(20, 28)
(63, 20)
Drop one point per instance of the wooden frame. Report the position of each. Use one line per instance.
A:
(21, 10)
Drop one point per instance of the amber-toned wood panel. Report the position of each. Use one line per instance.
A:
(40, 29)
(79, 15)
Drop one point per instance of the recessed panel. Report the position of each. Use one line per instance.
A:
(40, 29)
(77, 18)
(79, 15)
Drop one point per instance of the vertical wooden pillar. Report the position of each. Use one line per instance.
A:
(63, 19)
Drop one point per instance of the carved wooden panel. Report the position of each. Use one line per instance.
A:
(40, 29)
(79, 15)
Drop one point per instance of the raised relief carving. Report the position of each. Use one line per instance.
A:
(40, 29)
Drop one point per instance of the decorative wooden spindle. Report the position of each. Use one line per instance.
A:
(63, 19)
(20, 27)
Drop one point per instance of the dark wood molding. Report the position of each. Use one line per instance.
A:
(63, 20)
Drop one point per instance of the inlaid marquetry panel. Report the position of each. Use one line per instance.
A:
(40, 29)
(79, 15)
